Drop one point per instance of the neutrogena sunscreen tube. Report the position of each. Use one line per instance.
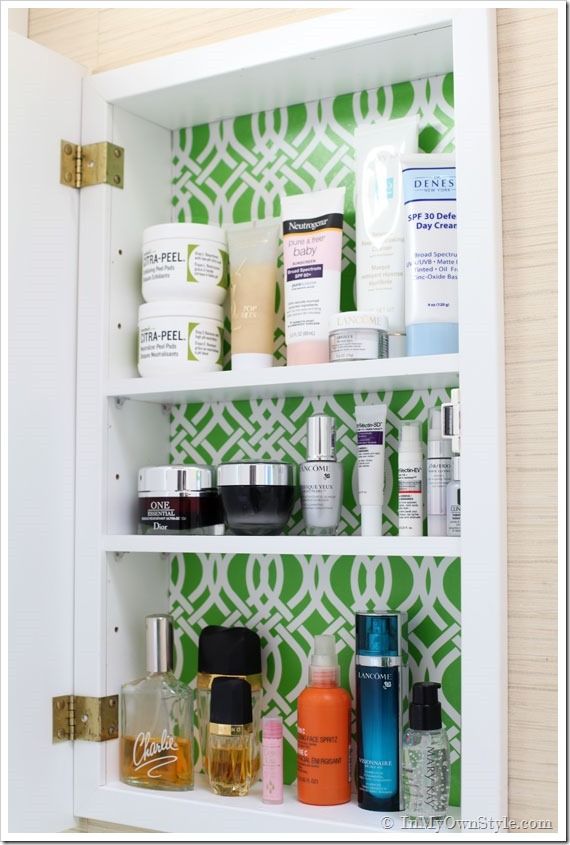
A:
(380, 221)
(253, 264)
(312, 251)
(370, 444)
(430, 212)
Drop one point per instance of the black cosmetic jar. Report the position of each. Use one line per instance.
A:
(179, 499)
(257, 497)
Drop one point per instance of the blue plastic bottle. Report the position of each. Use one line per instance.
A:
(379, 709)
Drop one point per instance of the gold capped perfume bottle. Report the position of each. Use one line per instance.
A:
(157, 718)
(230, 737)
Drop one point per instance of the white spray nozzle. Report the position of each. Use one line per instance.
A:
(324, 665)
(434, 430)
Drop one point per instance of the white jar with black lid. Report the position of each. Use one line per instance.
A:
(179, 499)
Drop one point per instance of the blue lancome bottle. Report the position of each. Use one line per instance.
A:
(379, 682)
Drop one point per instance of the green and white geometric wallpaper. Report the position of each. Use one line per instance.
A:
(233, 172)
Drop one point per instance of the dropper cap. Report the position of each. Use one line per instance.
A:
(321, 438)
(323, 671)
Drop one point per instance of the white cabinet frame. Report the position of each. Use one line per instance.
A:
(137, 107)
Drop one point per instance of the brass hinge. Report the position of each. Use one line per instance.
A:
(91, 164)
(85, 717)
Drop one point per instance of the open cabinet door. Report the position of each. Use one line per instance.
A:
(44, 107)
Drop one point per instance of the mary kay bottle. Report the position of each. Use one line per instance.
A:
(321, 477)
(426, 756)
(157, 718)
(379, 683)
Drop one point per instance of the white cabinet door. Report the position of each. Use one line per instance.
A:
(44, 107)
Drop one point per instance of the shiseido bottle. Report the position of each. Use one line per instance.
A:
(379, 689)
(426, 756)
(232, 652)
(321, 477)
(157, 718)
(230, 737)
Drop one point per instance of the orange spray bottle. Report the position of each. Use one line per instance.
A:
(323, 731)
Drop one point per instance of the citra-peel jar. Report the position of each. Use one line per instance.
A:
(178, 337)
(185, 261)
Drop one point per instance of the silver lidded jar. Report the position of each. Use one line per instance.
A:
(257, 496)
(179, 499)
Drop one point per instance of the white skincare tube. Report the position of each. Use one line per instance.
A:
(380, 222)
(431, 254)
(253, 266)
(312, 252)
(438, 476)
(410, 482)
(370, 440)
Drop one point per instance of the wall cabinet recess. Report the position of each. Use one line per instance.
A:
(208, 136)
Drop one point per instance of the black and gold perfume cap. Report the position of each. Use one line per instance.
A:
(229, 651)
(230, 706)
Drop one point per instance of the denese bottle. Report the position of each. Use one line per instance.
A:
(230, 737)
(426, 756)
(321, 478)
(454, 501)
(410, 482)
(323, 731)
(157, 724)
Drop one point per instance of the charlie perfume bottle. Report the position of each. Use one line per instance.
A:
(426, 756)
(379, 689)
(233, 652)
(321, 477)
(230, 737)
(157, 718)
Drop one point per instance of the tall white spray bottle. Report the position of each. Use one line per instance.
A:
(410, 482)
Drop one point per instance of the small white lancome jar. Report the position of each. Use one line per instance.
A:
(180, 337)
(321, 477)
(358, 336)
(185, 261)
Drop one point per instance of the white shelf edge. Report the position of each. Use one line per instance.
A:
(283, 545)
(200, 811)
(421, 372)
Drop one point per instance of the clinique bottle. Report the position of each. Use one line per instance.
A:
(157, 718)
(230, 737)
(323, 731)
(454, 501)
(232, 652)
(379, 691)
(426, 756)
(321, 478)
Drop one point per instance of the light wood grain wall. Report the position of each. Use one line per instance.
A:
(106, 38)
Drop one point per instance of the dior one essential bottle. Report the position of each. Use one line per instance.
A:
(379, 682)
(321, 477)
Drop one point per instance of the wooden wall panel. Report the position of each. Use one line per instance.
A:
(527, 38)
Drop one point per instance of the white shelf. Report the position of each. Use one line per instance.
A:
(281, 545)
(421, 372)
(179, 812)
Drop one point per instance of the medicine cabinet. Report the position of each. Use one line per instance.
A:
(82, 579)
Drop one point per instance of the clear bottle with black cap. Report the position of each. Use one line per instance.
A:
(157, 720)
(426, 756)
(321, 478)
(230, 737)
(232, 652)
